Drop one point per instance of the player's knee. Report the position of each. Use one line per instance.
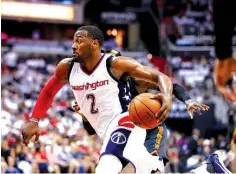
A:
(108, 164)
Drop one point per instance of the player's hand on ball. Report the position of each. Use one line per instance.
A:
(194, 106)
(30, 129)
(78, 111)
(166, 102)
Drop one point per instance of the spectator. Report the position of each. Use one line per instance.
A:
(221, 142)
(52, 159)
(66, 163)
(11, 164)
(5, 150)
(169, 29)
(208, 24)
(3, 165)
(181, 20)
(41, 158)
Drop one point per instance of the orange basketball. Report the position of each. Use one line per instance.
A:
(142, 110)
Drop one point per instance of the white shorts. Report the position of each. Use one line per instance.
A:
(126, 141)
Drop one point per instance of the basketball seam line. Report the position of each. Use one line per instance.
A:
(146, 106)
(150, 115)
(138, 114)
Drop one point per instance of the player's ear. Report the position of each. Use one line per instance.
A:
(95, 44)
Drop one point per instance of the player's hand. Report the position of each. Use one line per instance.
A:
(223, 70)
(194, 106)
(78, 111)
(30, 129)
(166, 102)
(228, 92)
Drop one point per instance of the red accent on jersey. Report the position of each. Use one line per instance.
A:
(46, 97)
(126, 122)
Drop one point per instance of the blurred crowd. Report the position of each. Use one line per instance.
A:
(61, 155)
(188, 22)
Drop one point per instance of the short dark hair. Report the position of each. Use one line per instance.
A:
(95, 33)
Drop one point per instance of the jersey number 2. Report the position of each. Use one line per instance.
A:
(93, 101)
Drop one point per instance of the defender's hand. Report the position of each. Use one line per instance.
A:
(194, 106)
(166, 102)
(78, 111)
(30, 129)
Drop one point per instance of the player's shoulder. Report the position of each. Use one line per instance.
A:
(63, 66)
(113, 52)
(119, 61)
(67, 60)
(123, 62)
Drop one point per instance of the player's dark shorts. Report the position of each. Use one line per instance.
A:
(155, 141)
(224, 13)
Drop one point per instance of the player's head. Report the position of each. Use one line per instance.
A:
(86, 40)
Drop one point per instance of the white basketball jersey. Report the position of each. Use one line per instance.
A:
(100, 96)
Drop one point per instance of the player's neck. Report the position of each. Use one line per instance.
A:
(93, 61)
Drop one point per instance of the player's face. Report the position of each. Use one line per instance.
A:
(82, 46)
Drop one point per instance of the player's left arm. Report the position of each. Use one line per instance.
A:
(192, 105)
(131, 68)
(142, 86)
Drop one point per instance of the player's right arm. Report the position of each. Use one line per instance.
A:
(45, 99)
(124, 67)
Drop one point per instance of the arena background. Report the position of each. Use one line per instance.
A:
(173, 36)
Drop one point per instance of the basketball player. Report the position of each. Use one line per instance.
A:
(153, 145)
(224, 21)
(156, 138)
(99, 83)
